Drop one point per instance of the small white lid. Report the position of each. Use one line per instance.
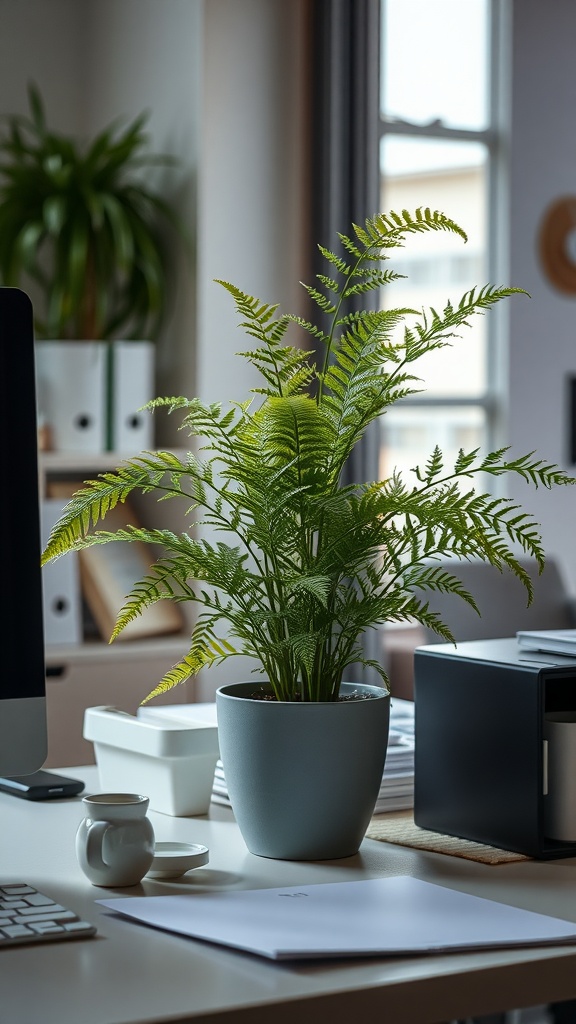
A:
(114, 728)
(173, 859)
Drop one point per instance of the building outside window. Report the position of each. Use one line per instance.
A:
(441, 147)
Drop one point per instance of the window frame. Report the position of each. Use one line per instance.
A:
(493, 400)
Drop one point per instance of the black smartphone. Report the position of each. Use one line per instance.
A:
(41, 786)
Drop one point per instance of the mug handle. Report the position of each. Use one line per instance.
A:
(94, 844)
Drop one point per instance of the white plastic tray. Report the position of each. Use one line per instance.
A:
(171, 763)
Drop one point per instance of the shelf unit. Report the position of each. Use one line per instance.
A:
(95, 672)
(83, 464)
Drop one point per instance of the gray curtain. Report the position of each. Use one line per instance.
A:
(345, 54)
(345, 111)
(345, 141)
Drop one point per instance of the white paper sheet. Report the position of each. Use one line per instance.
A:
(372, 917)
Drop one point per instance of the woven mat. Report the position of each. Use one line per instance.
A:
(401, 829)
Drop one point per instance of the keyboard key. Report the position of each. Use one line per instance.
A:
(50, 908)
(44, 927)
(27, 915)
(38, 899)
(12, 931)
(74, 926)
(58, 915)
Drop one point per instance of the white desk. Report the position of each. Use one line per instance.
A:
(130, 973)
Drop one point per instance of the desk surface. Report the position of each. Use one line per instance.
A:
(130, 973)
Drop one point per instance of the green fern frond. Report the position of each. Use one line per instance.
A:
(317, 587)
(312, 329)
(294, 433)
(322, 301)
(534, 471)
(435, 578)
(277, 363)
(370, 279)
(433, 468)
(286, 373)
(257, 313)
(465, 460)
(91, 503)
(341, 265)
(329, 283)
(204, 651)
(442, 327)
(152, 588)
(304, 647)
(388, 227)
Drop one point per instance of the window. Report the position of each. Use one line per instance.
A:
(440, 147)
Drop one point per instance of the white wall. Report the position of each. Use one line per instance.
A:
(543, 327)
(42, 40)
(251, 197)
(146, 55)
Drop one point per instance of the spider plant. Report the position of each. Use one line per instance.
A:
(306, 563)
(80, 222)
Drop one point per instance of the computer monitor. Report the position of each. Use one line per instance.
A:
(23, 742)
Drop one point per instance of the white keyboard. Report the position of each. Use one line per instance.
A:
(27, 915)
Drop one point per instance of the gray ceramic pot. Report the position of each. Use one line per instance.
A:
(303, 779)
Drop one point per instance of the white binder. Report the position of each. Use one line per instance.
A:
(62, 604)
(71, 389)
(132, 380)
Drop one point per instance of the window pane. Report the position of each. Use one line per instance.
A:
(434, 56)
(439, 266)
(409, 436)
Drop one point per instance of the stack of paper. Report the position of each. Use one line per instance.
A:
(397, 789)
(220, 789)
(549, 641)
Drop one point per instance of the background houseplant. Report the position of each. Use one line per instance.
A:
(80, 222)
(314, 563)
(81, 229)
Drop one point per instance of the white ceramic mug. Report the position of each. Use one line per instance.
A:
(560, 802)
(115, 841)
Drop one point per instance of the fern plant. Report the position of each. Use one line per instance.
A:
(80, 222)
(306, 564)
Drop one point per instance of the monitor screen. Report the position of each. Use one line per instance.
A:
(22, 679)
